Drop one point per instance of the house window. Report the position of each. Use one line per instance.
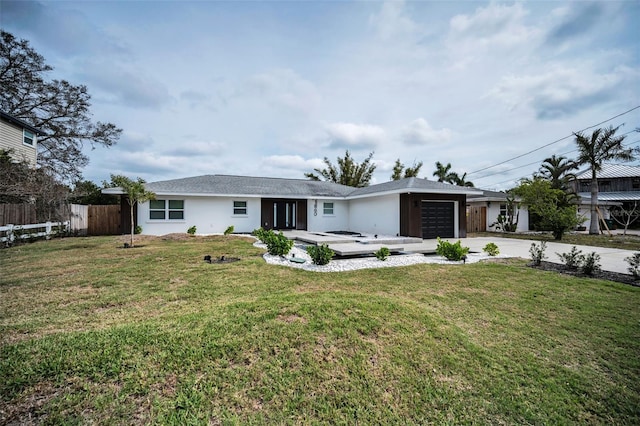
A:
(503, 210)
(240, 207)
(327, 208)
(635, 183)
(28, 138)
(166, 209)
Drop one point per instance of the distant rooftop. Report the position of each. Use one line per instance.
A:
(612, 171)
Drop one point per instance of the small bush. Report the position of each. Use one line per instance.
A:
(451, 251)
(634, 265)
(261, 234)
(491, 249)
(229, 230)
(572, 259)
(591, 263)
(277, 244)
(137, 229)
(537, 252)
(320, 255)
(192, 230)
(383, 253)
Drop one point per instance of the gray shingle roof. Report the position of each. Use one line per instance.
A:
(247, 185)
(413, 184)
(295, 188)
(612, 171)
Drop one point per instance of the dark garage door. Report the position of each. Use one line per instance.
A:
(437, 219)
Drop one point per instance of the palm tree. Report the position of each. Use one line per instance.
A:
(603, 145)
(558, 171)
(462, 180)
(347, 172)
(443, 173)
(399, 168)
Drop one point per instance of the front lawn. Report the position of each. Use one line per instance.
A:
(93, 333)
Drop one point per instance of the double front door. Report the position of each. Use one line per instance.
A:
(284, 214)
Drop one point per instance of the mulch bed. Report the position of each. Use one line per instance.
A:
(603, 275)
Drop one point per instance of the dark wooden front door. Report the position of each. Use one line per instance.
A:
(284, 214)
(437, 218)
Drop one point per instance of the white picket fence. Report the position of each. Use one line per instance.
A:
(9, 233)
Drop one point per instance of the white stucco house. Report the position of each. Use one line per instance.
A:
(19, 138)
(409, 207)
(483, 211)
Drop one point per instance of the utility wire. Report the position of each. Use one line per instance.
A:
(554, 142)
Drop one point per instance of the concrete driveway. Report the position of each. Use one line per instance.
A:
(610, 259)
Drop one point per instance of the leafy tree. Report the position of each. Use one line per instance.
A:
(347, 172)
(135, 192)
(594, 150)
(20, 183)
(552, 206)
(399, 168)
(58, 108)
(87, 192)
(558, 171)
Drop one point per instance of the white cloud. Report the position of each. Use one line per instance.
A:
(393, 21)
(295, 162)
(563, 90)
(352, 135)
(419, 132)
(284, 87)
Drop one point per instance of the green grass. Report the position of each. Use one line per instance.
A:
(91, 333)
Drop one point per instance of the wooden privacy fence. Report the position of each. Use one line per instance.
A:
(476, 219)
(17, 214)
(95, 220)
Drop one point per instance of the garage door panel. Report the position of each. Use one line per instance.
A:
(437, 219)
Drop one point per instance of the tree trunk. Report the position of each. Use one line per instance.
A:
(133, 226)
(594, 226)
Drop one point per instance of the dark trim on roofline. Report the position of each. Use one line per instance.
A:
(13, 120)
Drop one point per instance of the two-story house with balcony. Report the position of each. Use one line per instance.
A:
(19, 138)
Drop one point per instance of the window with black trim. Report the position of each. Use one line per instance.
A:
(239, 207)
(327, 208)
(166, 209)
(28, 138)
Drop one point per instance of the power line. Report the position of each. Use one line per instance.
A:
(564, 153)
(554, 142)
(536, 162)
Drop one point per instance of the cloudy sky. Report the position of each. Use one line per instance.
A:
(270, 88)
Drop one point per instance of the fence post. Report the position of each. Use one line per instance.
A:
(48, 231)
(10, 236)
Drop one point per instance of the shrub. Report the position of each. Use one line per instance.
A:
(383, 253)
(192, 230)
(229, 230)
(572, 259)
(537, 252)
(277, 244)
(451, 251)
(491, 249)
(137, 229)
(591, 263)
(261, 234)
(634, 265)
(320, 255)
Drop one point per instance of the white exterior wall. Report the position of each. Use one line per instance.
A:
(12, 137)
(493, 211)
(208, 214)
(317, 221)
(375, 215)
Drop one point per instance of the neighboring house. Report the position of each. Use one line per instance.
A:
(618, 184)
(408, 207)
(483, 211)
(20, 138)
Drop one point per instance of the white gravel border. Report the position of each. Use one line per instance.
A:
(341, 265)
